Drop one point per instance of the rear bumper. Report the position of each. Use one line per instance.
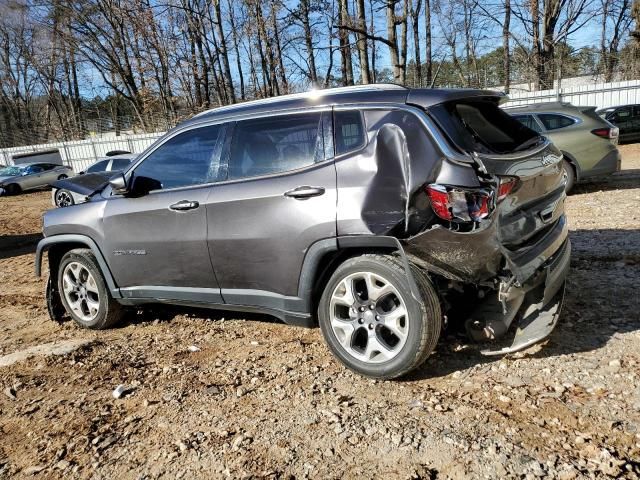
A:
(537, 306)
(610, 163)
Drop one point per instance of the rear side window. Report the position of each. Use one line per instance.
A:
(189, 158)
(553, 121)
(275, 145)
(98, 167)
(349, 131)
(483, 127)
(528, 121)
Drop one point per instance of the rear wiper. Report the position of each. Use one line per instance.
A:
(529, 143)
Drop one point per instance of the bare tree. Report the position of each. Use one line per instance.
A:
(616, 20)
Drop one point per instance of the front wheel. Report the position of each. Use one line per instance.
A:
(84, 293)
(63, 198)
(371, 320)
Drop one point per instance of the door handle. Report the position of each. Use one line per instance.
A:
(183, 205)
(304, 192)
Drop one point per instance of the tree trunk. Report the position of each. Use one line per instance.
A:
(363, 51)
(537, 54)
(308, 41)
(236, 49)
(392, 37)
(428, 54)
(415, 22)
(279, 57)
(506, 56)
(345, 48)
(228, 79)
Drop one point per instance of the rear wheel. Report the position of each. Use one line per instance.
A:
(371, 321)
(84, 293)
(63, 198)
(569, 175)
(62, 177)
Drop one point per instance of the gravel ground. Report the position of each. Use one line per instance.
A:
(212, 394)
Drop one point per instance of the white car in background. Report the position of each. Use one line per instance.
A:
(69, 192)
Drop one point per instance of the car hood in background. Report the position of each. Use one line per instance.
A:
(85, 184)
(3, 179)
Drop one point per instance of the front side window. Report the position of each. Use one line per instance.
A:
(275, 145)
(189, 158)
(528, 121)
(349, 131)
(100, 166)
(553, 121)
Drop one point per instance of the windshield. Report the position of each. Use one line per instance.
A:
(10, 171)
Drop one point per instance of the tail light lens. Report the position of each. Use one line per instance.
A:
(507, 184)
(606, 132)
(468, 205)
(439, 200)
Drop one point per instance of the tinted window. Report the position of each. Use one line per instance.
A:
(35, 169)
(276, 144)
(98, 167)
(349, 131)
(483, 127)
(48, 166)
(552, 121)
(120, 163)
(622, 114)
(189, 158)
(528, 121)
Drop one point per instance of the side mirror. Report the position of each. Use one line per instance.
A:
(118, 184)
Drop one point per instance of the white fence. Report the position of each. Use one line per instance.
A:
(79, 154)
(601, 95)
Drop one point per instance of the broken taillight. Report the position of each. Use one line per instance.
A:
(506, 185)
(439, 200)
(468, 205)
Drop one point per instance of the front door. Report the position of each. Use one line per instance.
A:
(156, 242)
(279, 198)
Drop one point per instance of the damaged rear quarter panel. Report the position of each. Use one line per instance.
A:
(376, 182)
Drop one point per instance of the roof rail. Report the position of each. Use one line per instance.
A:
(307, 94)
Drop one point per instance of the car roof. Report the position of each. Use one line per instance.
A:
(372, 93)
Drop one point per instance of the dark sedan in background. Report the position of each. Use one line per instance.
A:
(626, 118)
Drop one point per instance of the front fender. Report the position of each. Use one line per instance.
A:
(47, 242)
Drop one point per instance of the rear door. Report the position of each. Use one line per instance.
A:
(155, 243)
(33, 178)
(279, 198)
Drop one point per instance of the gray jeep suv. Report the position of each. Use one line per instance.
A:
(379, 212)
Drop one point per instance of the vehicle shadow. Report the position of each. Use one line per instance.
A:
(622, 180)
(16, 245)
(601, 301)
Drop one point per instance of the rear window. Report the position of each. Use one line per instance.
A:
(120, 164)
(481, 126)
(553, 121)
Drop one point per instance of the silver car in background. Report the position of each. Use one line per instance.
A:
(29, 176)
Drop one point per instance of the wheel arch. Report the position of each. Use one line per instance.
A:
(574, 163)
(58, 245)
(324, 256)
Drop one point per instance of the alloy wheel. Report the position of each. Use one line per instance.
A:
(369, 317)
(81, 291)
(63, 198)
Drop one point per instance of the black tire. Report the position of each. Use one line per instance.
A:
(64, 198)
(62, 177)
(570, 175)
(423, 319)
(109, 312)
(12, 189)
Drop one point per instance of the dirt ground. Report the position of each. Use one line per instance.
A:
(257, 398)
